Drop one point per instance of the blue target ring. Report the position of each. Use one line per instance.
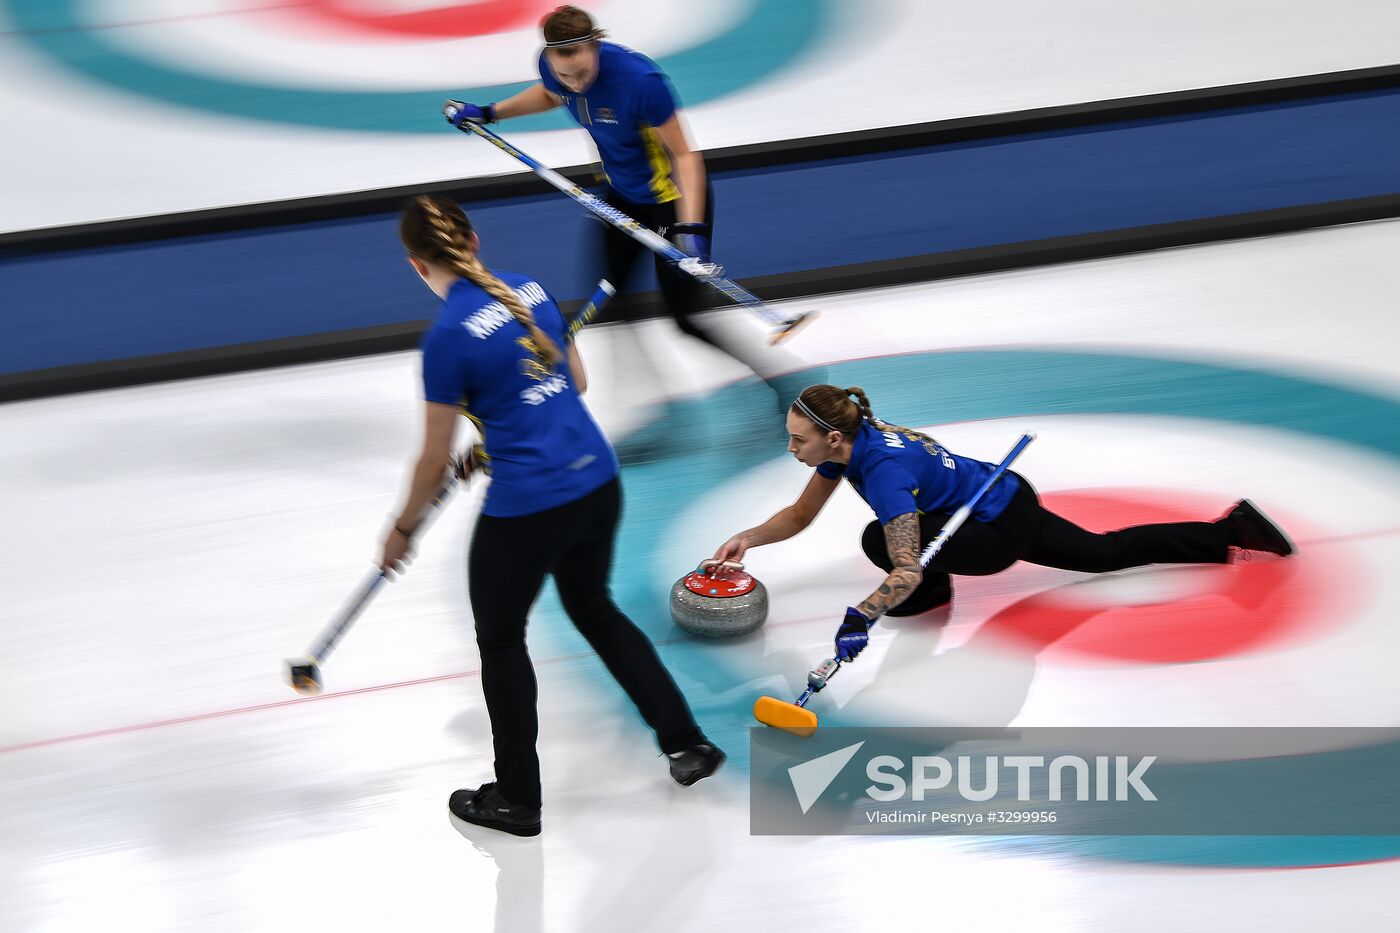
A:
(771, 37)
(989, 384)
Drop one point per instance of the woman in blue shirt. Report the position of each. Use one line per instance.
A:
(632, 113)
(914, 485)
(501, 353)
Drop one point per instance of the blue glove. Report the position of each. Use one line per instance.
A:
(458, 113)
(692, 239)
(852, 636)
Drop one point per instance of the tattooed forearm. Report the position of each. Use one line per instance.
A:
(902, 543)
(896, 589)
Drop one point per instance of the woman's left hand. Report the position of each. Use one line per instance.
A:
(397, 551)
(853, 635)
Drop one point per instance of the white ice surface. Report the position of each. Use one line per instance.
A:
(166, 546)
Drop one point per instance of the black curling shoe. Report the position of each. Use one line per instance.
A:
(1252, 530)
(486, 806)
(695, 763)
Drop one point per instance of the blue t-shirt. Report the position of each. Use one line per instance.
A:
(895, 474)
(629, 98)
(543, 446)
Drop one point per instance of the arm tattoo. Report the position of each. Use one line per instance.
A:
(902, 543)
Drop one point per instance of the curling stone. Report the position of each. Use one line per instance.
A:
(719, 600)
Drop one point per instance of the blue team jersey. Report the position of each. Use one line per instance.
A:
(543, 447)
(621, 109)
(895, 474)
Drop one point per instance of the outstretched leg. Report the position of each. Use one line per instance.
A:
(1058, 542)
(582, 578)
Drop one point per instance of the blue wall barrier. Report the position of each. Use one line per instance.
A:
(89, 305)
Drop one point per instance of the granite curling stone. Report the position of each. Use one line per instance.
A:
(719, 601)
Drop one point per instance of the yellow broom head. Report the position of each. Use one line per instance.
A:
(786, 716)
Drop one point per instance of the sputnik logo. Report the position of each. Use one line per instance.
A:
(811, 778)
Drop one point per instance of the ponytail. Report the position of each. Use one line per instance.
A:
(857, 394)
(843, 410)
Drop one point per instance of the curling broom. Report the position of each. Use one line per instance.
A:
(794, 717)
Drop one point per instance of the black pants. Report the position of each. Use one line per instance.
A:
(507, 565)
(1028, 531)
(683, 296)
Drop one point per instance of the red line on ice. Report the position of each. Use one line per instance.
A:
(438, 678)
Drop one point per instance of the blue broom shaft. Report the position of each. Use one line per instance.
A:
(601, 295)
(648, 238)
(965, 510)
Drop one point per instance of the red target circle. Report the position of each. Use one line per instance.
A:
(1224, 611)
(449, 21)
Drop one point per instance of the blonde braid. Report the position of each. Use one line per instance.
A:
(465, 263)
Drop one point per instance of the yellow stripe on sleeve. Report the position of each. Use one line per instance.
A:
(661, 184)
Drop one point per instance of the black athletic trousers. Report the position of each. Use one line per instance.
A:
(507, 564)
(682, 295)
(1028, 531)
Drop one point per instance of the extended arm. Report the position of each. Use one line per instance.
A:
(440, 424)
(784, 524)
(534, 99)
(902, 542)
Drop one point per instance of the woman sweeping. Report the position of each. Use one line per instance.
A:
(500, 351)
